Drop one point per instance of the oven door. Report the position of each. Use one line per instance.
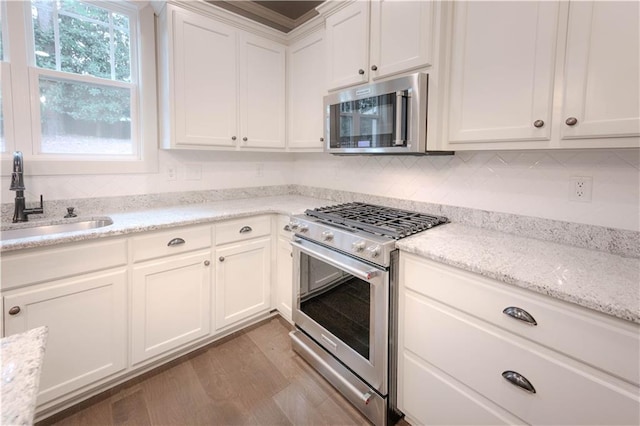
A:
(343, 304)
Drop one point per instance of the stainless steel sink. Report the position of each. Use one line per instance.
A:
(40, 230)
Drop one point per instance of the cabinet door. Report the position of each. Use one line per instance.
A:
(242, 281)
(86, 318)
(348, 46)
(205, 81)
(602, 87)
(401, 36)
(306, 88)
(171, 301)
(284, 275)
(262, 93)
(502, 68)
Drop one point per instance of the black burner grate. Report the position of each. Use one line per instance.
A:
(380, 220)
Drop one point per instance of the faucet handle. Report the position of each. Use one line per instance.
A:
(70, 212)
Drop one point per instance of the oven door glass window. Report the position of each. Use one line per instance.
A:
(338, 301)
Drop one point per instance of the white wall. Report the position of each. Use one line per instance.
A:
(220, 170)
(534, 183)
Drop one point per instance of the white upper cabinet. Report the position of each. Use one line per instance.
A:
(220, 87)
(602, 72)
(540, 75)
(306, 88)
(502, 64)
(348, 46)
(262, 93)
(401, 36)
(204, 73)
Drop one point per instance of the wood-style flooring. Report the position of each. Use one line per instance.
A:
(253, 378)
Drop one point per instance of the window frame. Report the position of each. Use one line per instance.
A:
(26, 97)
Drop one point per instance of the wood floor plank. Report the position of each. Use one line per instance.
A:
(97, 414)
(131, 410)
(174, 395)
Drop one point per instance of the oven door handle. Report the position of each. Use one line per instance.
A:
(365, 273)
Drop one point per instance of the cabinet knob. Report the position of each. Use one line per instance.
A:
(571, 121)
(233, 138)
(207, 263)
(518, 380)
(245, 139)
(221, 258)
(321, 139)
(538, 123)
(14, 311)
(374, 68)
(361, 71)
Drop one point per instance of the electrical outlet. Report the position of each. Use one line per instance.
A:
(172, 172)
(580, 188)
(260, 170)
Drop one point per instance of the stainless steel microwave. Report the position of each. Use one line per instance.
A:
(389, 117)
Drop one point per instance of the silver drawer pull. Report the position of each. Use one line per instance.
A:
(520, 314)
(176, 242)
(245, 229)
(518, 380)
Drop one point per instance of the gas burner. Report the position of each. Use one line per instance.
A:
(379, 220)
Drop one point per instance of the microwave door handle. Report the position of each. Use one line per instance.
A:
(401, 118)
(363, 273)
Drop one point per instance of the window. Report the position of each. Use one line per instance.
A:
(89, 111)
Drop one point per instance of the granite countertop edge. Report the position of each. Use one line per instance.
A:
(156, 219)
(22, 357)
(603, 282)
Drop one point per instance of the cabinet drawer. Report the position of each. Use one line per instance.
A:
(50, 263)
(242, 229)
(175, 241)
(431, 397)
(569, 329)
(477, 354)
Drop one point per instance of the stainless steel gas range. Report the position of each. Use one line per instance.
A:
(345, 276)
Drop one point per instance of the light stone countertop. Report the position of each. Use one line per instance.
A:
(169, 217)
(22, 355)
(604, 282)
(593, 279)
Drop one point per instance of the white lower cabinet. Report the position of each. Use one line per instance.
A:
(243, 270)
(437, 399)
(242, 281)
(86, 318)
(117, 306)
(284, 270)
(457, 361)
(171, 304)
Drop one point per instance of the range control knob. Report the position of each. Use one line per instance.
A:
(303, 228)
(373, 251)
(358, 246)
(294, 225)
(327, 236)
